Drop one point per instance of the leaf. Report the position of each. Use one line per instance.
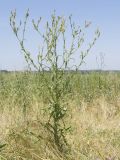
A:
(1, 146)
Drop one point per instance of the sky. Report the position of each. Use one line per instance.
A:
(104, 14)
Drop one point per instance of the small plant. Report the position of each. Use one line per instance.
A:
(56, 55)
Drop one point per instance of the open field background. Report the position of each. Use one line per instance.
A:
(93, 106)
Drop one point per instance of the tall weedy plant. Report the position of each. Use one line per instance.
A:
(61, 41)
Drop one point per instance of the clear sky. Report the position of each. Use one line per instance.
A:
(104, 14)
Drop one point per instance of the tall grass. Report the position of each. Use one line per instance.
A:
(93, 114)
(25, 87)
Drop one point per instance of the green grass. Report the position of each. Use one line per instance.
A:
(93, 113)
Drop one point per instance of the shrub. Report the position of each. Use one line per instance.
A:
(59, 61)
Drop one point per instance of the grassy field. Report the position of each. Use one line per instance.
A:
(93, 114)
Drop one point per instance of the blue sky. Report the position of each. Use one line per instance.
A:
(104, 14)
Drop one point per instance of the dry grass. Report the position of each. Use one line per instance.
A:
(94, 135)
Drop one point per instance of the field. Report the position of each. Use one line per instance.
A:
(93, 116)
